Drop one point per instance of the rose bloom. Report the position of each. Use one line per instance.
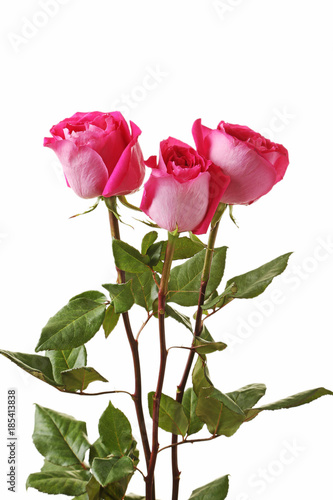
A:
(98, 153)
(254, 164)
(184, 189)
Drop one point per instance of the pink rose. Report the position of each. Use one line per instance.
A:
(98, 153)
(184, 189)
(254, 164)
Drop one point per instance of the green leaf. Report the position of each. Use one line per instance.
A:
(38, 366)
(115, 431)
(185, 280)
(226, 400)
(189, 404)
(148, 240)
(91, 295)
(72, 326)
(60, 438)
(178, 316)
(200, 375)
(215, 300)
(253, 283)
(144, 289)
(184, 248)
(78, 379)
(216, 490)
(154, 253)
(54, 480)
(219, 419)
(172, 417)
(98, 449)
(121, 296)
(128, 258)
(93, 489)
(65, 360)
(248, 396)
(110, 320)
(291, 401)
(205, 344)
(110, 470)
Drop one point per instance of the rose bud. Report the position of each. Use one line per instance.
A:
(183, 190)
(98, 153)
(254, 164)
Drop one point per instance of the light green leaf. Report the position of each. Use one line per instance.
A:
(248, 396)
(110, 470)
(253, 283)
(54, 480)
(216, 490)
(189, 404)
(91, 295)
(178, 316)
(184, 248)
(78, 379)
(72, 326)
(60, 438)
(121, 296)
(65, 360)
(291, 401)
(144, 289)
(148, 240)
(110, 320)
(200, 375)
(205, 344)
(172, 417)
(128, 258)
(38, 366)
(185, 279)
(115, 431)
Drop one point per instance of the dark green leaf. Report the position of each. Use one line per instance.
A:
(128, 258)
(91, 295)
(200, 375)
(54, 480)
(253, 283)
(93, 489)
(121, 296)
(216, 490)
(65, 360)
(189, 404)
(226, 400)
(60, 438)
(172, 417)
(72, 326)
(115, 431)
(185, 279)
(110, 320)
(78, 379)
(144, 288)
(184, 248)
(291, 401)
(148, 240)
(38, 366)
(178, 316)
(154, 253)
(110, 470)
(98, 449)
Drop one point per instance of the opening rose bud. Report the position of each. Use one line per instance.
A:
(184, 188)
(100, 156)
(254, 164)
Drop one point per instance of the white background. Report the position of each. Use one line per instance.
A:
(249, 62)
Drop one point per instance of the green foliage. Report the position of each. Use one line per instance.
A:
(115, 431)
(172, 417)
(189, 402)
(216, 490)
(110, 470)
(73, 325)
(54, 479)
(62, 360)
(178, 316)
(144, 288)
(205, 344)
(60, 438)
(200, 375)
(147, 241)
(121, 296)
(78, 379)
(91, 295)
(184, 248)
(38, 366)
(185, 279)
(110, 320)
(128, 258)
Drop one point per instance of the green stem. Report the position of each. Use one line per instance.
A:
(198, 327)
(137, 396)
(163, 358)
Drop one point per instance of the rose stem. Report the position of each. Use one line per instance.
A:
(137, 396)
(163, 358)
(198, 327)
